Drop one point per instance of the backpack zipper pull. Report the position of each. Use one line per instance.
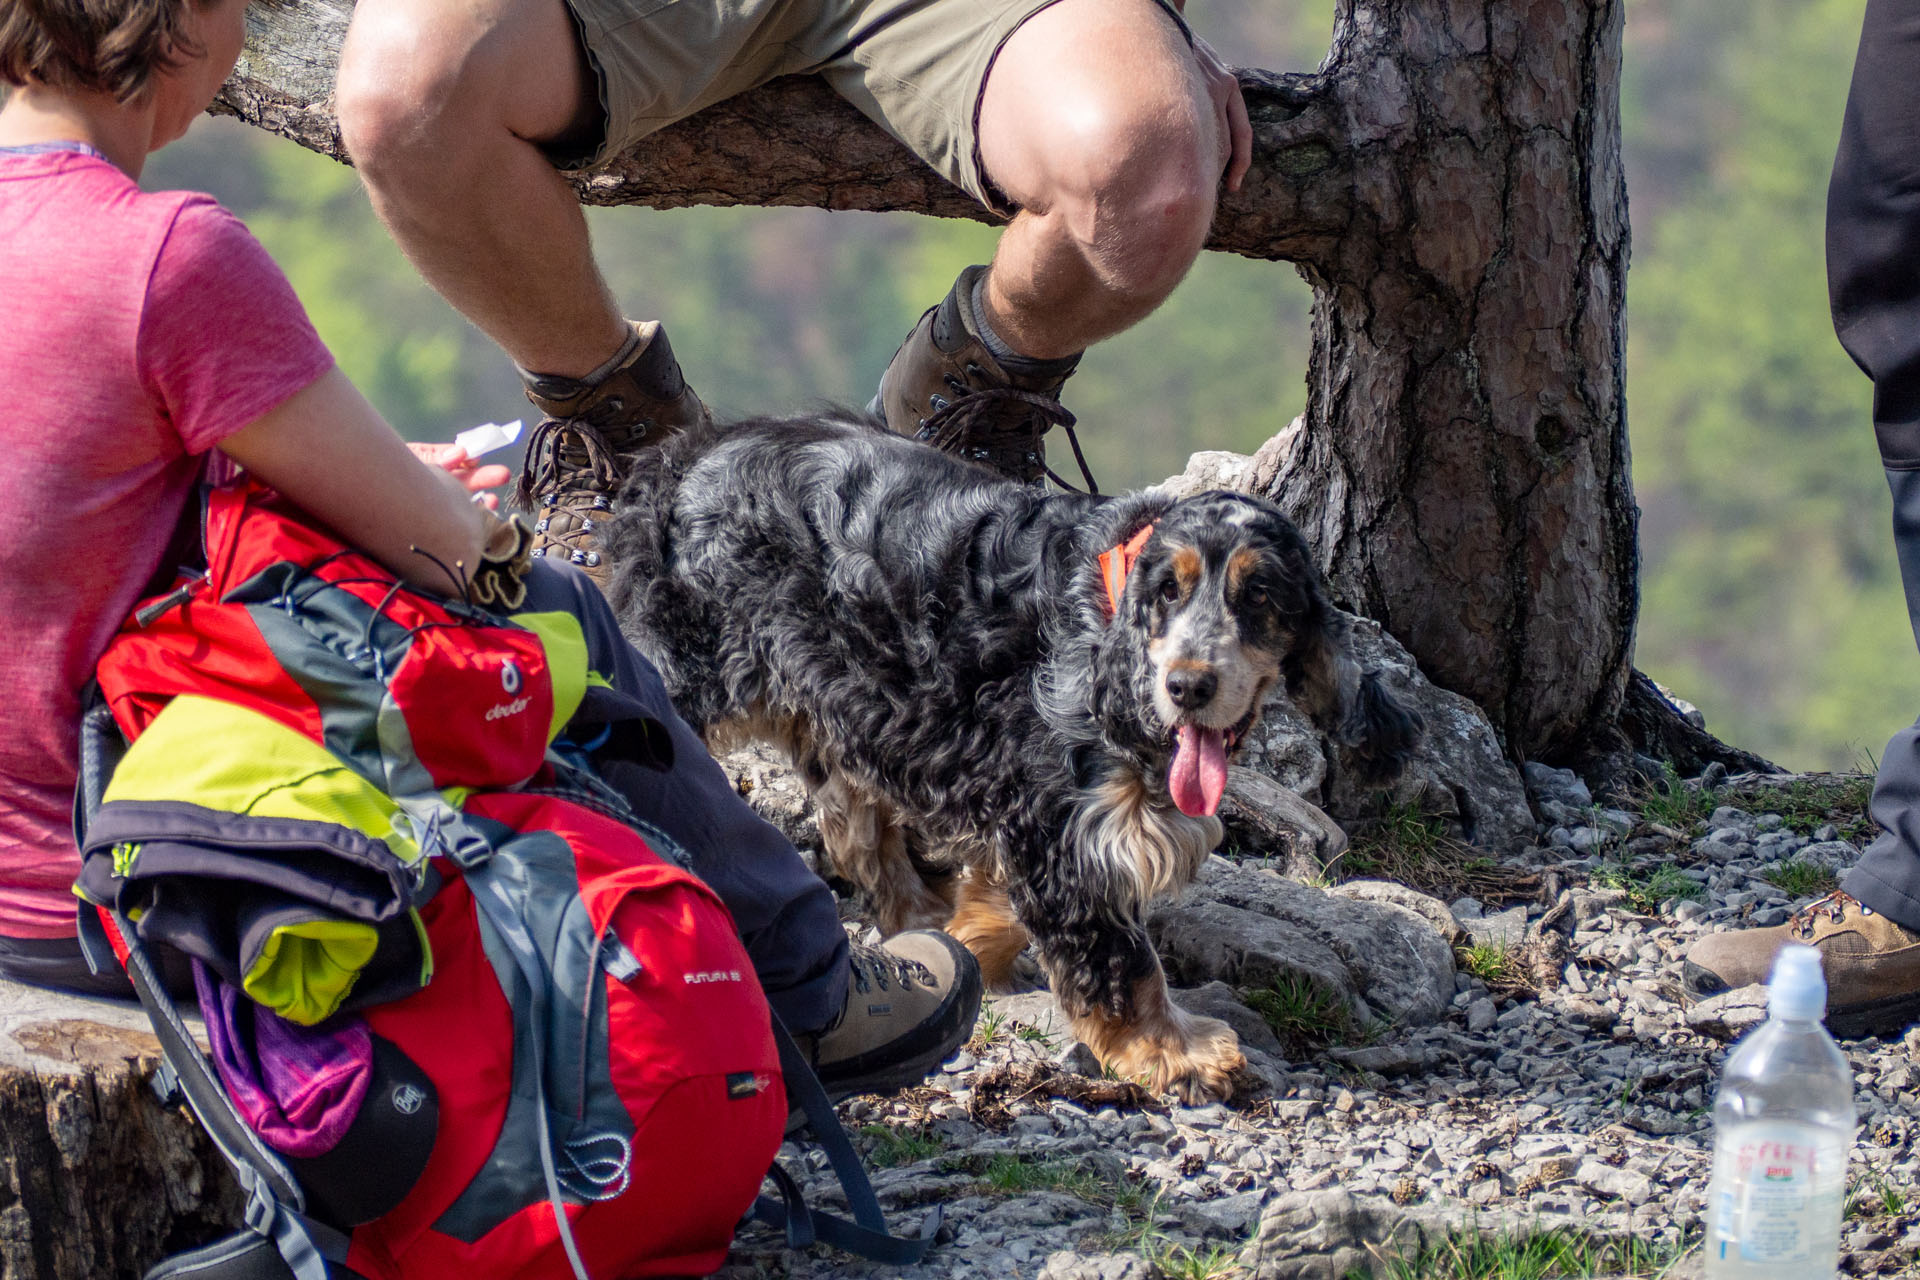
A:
(151, 613)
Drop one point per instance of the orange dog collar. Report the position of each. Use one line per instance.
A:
(1116, 564)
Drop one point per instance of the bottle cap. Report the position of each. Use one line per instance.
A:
(1797, 988)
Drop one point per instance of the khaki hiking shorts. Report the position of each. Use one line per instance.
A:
(914, 67)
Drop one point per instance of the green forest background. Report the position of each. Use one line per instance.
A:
(1771, 598)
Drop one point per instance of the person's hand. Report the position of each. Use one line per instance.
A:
(1224, 88)
(472, 476)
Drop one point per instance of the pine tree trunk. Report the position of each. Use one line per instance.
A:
(1463, 467)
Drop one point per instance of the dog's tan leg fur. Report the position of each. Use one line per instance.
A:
(983, 922)
(1163, 1046)
(867, 846)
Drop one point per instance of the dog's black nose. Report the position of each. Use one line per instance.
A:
(1191, 688)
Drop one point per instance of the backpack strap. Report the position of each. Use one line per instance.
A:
(867, 1235)
(276, 1209)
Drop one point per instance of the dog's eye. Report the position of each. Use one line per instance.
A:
(1256, 597)
(1170, 591)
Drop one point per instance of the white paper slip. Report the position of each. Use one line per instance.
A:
(487, 437)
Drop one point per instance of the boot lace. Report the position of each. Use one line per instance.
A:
(1003, 427)
(1833, 907)
(877, 967)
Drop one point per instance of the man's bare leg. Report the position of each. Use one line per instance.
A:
(1111, 134)
(442, 107)
(1097, 121)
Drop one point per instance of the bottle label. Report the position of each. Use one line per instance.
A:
(1776, 1192)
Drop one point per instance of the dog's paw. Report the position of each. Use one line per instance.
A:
(1196, 1064)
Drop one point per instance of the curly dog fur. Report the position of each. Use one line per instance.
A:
(993, 746)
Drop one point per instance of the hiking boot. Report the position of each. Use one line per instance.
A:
(580, 455)
(945, 387)
(1872, 963)
(911, 1002)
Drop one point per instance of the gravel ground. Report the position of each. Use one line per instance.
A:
(1568, 1086)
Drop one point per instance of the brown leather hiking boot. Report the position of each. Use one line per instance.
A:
(945, 387)
(1872, 963)
(911, 1001)
(580, 455)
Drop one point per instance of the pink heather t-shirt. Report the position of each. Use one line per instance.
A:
(137, 331)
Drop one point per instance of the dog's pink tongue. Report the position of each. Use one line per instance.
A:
(1198, 776)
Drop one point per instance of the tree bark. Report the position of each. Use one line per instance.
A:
(1450, 185)
(97, 1178)
(1463, 469)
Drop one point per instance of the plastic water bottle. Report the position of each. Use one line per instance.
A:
(1783, 1124)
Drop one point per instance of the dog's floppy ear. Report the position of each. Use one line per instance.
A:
(1376, 735)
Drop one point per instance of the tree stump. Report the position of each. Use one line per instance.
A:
(97, 1178)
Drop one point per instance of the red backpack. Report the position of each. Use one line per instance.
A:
(383, 817)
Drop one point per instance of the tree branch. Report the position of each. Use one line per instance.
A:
(796, 142)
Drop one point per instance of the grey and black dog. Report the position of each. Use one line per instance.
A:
(998, 742)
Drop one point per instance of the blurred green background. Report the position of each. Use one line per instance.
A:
(1770, 594)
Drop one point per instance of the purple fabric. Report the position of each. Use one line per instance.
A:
(297, 1087)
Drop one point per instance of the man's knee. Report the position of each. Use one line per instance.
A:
(423, 82)
(401, 71)
(1137, 190)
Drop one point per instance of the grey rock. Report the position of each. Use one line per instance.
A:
(1605, 1180)
(1506, 929)
(775, 791)
(1587, 839)
(1078, 1059)
(1836, 855)
(1066, 1265)
(1386, 1059)
(1480, 1015)
(1618, 821)
(1426, 906)
(1560, 785)
(1729, 1014)
(1248, 927)
(1328, 1234)
(1233, 1214)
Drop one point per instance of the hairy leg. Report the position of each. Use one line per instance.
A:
(866, 845)
(1096, 122)
(984, 923)
(1162, 1045)
(439, 103)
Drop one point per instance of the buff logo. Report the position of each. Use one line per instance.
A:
(712, 975)
(506, 709)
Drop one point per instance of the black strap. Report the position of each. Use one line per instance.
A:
(867, 1235)
(275, 1206)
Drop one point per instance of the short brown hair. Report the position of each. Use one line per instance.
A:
(106, 46)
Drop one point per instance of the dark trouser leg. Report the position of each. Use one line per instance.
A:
(785, 913)
(1873, 275)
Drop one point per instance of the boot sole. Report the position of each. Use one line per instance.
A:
(886, 1070)
(1884, 1018)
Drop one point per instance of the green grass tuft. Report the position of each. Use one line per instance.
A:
(895, 1147)
(1806, 804)
(1670, 801)
(1647, 888)
(1802, 879)
(1411, 847)
(1494, 963)
(1558, 1254)
(1300, 1013)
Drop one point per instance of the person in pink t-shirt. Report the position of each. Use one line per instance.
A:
(138, 332)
